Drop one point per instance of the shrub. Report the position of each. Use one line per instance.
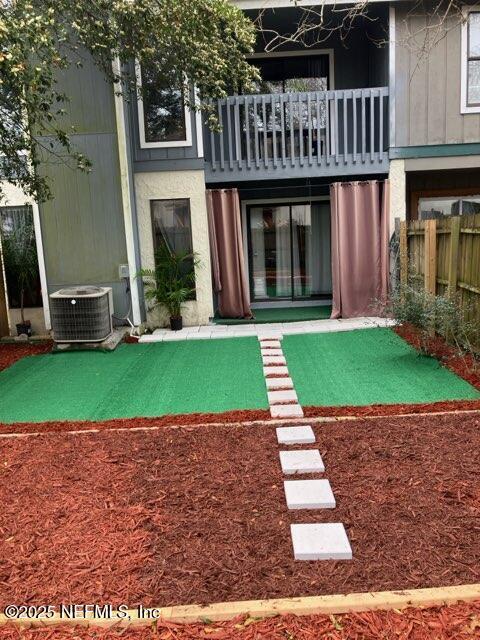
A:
(430, 314)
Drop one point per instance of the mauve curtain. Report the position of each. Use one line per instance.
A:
(226, 249)
(360, 267)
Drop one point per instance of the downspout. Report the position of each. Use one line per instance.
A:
(127, 195)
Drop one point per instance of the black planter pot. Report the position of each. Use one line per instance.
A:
(176, 323)
(24, 328)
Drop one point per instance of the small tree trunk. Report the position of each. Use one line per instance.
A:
(21, 306)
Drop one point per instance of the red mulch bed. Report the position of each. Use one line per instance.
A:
(460, 621)
(186, 515)
(10, 352)
(463, 365)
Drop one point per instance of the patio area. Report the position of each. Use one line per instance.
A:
(274, 329)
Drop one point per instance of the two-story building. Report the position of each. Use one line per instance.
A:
(397, 131)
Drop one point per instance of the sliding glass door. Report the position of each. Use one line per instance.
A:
(289, 251)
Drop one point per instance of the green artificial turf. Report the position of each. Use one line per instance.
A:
(154, 379)
(281, 314)
(365, 367)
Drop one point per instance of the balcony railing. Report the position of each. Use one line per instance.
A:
(295, 134)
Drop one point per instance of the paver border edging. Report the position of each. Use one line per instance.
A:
(326, 605)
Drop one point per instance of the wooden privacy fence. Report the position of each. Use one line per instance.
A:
(444, 252)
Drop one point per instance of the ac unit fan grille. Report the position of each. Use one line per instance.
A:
(78, 319)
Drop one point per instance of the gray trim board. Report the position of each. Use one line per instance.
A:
(391, 72)
(347, 167)
(435, 150)
(168, 165)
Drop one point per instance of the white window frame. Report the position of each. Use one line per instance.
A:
(464, 106)
(144, 144)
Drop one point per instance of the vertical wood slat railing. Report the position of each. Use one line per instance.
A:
(272, 131)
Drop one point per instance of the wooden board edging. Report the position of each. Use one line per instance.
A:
(274, 422)
(311, 605)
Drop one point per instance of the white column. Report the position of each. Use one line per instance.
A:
(126, 189)
(398, 192)
(41, 265)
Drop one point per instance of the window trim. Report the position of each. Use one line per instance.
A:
(161, 144)
(464, 106)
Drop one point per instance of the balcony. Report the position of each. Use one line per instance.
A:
(293, 135)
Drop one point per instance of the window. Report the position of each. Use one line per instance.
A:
(171, 227)
(15, 222)
(293, 73)
(471, 63)
(164, 120)
(441, 206)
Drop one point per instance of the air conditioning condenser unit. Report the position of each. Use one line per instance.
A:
(81, 314)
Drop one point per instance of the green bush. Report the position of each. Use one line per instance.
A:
(172, 282)
(432, 315)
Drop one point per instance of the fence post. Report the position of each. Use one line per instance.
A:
(403, 254)
(453, 256)
(431, 256)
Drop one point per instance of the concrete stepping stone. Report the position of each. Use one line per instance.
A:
(295, 435)
(326, 541)
(270, 344)
(309, 494)
(277, 371)
(286, 411)
(276, 335)
(302, 461)
(274, 360)
(278, 383)
(283, 395)
(271, 352)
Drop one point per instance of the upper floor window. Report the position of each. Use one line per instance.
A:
(164, 119)
(293, 73)
(471, 63)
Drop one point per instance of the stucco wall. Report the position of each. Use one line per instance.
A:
(13, 196)
(171, 185)
(397, 192)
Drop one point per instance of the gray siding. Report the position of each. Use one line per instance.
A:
(427, 91)
(82, 226)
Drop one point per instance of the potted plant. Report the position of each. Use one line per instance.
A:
(21, 264)
(171, 283)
